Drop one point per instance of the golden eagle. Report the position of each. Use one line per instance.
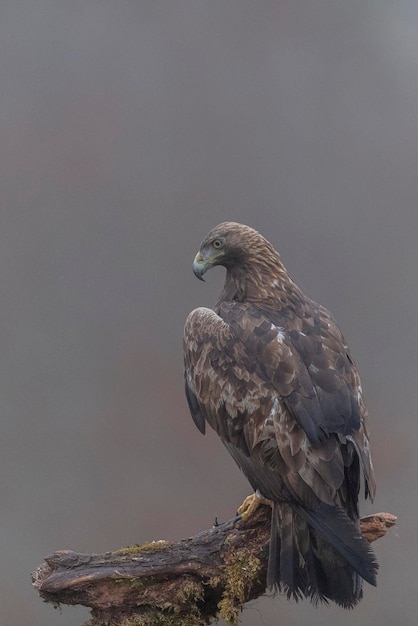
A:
(271, 373)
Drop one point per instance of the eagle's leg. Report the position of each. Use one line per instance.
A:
(251, 504)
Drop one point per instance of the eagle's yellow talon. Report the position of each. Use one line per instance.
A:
(250, 505)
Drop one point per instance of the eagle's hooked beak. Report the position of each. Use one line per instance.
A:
(200, 266)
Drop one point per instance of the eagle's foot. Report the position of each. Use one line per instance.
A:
(251, 504)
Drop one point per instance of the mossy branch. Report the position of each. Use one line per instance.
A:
(187, 582)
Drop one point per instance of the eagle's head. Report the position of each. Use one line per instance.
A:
(232, 245)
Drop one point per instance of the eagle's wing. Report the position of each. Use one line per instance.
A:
(286, 404)
(215, 381)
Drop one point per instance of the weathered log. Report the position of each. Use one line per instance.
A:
(186, 582)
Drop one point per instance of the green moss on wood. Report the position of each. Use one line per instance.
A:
(161, 618)
(241, 571)
(150, 617)
(151, 546)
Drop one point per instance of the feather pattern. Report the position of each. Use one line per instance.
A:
(269, 370)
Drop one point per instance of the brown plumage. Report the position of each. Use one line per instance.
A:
(271, 373)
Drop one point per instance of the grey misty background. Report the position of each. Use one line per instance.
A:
(127, 130)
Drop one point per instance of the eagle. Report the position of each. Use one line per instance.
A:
(270, 371)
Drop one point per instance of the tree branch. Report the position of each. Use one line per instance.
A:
(187, 582)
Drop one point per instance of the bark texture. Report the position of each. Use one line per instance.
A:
(187, 582)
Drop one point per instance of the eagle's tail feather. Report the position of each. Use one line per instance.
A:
(305, 562)
(335, 527)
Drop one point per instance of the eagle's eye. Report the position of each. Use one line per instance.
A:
(216, 243)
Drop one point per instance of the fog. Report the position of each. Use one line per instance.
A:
(127, 130)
